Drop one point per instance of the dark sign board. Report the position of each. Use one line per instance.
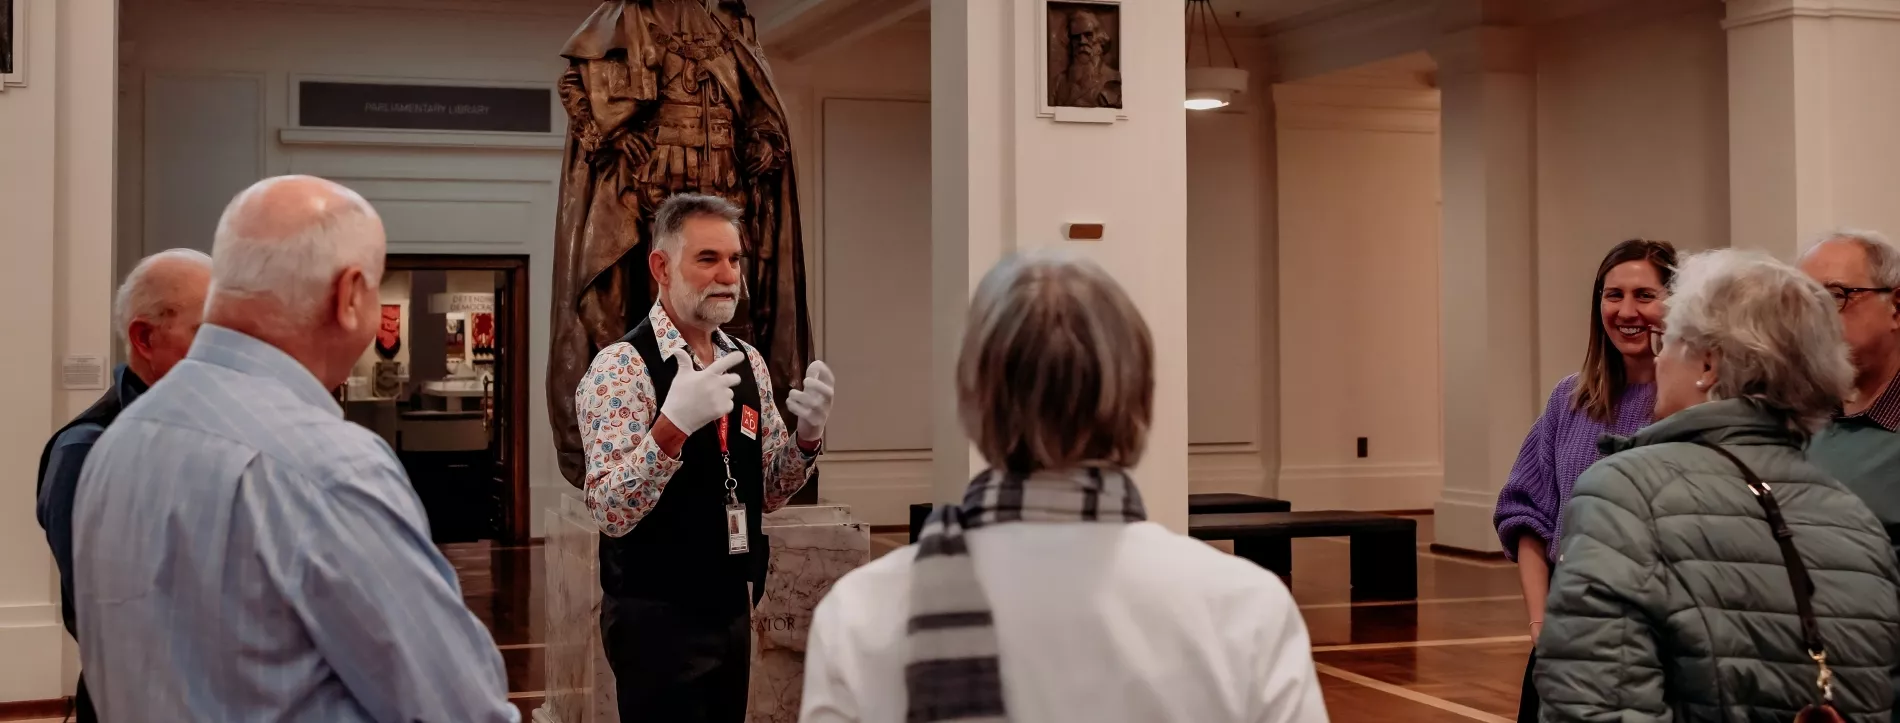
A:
(325, 104)
(6, 36)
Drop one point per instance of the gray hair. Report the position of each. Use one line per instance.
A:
(670, 220)
(1775, 334)
(1057, 367)
(141, 296)
(294, 264)
(1883, 258)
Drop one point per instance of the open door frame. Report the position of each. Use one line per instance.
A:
(515, 529)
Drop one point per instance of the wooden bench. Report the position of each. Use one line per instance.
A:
(1228, 502)
(1384, 548)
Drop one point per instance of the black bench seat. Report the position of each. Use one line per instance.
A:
(1225, 502)
(1384, 554)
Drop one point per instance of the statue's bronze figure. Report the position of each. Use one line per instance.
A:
(663, 97)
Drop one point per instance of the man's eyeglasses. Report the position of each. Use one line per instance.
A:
(1844, 294)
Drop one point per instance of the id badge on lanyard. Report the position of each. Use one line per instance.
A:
(736, 533)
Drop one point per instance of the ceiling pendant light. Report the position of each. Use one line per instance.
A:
(1210, 86)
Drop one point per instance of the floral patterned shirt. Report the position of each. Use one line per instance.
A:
(616, 407)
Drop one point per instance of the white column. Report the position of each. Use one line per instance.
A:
(56, 197)
(1488, 327)
(970, 174)
(1007, 176)
(1811, 102)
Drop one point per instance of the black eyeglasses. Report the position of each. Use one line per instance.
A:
(1655, 341)
(1844, 294)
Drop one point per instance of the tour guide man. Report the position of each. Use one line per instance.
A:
(685, 451)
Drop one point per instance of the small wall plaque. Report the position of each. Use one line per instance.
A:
(83, 371)
(346, 104)
(1084, 232)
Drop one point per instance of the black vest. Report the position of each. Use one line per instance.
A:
(678, 552)
(101, 413)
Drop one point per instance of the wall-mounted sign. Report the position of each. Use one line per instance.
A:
(463, 303)
(335, 104)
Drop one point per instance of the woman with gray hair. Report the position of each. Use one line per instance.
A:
(1709, 571)
(1045, 595)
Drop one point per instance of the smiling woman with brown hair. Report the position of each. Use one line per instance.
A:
(1613, 393)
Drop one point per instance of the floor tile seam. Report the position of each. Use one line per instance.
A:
(1411, 695)
(1446, 643)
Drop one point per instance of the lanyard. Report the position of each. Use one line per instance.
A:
(732, 484)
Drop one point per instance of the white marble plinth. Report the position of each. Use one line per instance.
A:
(580, 686)
(812, 546)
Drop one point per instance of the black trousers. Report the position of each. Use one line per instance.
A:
(82, 703)
(1527, 703)
(677, 663)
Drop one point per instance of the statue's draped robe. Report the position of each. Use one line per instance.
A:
(678, 99)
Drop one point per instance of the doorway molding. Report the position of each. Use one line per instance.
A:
(515, 529)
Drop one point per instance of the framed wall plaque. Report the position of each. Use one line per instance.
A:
(12, 44)
(378, 104)
(1081, 80)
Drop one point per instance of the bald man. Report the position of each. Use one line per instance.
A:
(156, 315)
(241, 552)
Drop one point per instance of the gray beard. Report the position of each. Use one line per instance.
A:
(705, 313)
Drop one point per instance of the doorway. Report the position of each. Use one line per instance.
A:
(446, 386)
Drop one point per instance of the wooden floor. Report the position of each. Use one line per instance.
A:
(1455, 655)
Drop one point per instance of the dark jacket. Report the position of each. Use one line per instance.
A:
(1670, 601)
(60, 462)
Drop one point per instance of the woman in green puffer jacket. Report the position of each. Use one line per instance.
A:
(1670, 601)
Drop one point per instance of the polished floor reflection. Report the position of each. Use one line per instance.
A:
(1455, 655)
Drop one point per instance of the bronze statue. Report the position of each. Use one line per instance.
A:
(664, 97)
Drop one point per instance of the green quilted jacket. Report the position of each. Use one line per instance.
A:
(1670, 601)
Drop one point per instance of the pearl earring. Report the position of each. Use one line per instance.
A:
(1700, 384)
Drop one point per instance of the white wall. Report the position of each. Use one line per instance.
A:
(56, 155)
(433, 200)
(1358, 289)
(1632, 141)
(1233, 367)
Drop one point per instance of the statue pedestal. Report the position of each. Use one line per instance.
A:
(812, 546)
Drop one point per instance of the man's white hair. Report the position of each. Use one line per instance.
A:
(1775, 332)
(294, 265)
(142, 297)
(1883, 258)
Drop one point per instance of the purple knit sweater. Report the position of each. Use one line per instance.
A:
(1561, 445)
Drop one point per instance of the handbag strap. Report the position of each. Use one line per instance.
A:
(1797, 570)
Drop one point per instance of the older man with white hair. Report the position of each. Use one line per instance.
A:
(242, 552)
(685, 451)
(156, 315)
(1861, 270)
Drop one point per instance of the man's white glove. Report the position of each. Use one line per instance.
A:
(700, 396)
(812, 404)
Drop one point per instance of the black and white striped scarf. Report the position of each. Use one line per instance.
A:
(953, 673)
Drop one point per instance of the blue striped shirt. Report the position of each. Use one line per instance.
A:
(243, 553)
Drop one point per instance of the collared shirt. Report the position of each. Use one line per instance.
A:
(616, 407)
(65, 458)
(1885, 411)
(1100, 623)
(1862, 451)
(245, 554)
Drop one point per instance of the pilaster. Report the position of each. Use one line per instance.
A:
(1487, 286)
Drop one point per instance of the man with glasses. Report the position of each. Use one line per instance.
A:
(1861, 448)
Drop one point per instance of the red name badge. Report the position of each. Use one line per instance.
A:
(749, 422)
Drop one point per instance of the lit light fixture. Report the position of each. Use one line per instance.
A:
(1210, 86)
